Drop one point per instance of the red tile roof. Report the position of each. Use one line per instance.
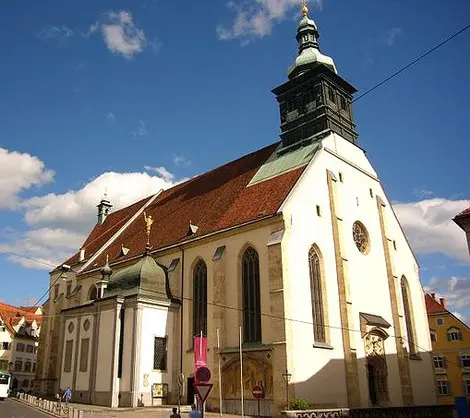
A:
(12, 315)
(218, 199)
(433, 306)
(461, 218)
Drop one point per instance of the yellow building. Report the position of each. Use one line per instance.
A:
(450, 339)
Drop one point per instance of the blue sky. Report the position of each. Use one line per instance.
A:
(136, 95)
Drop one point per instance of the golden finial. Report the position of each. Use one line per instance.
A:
(107, 258)
(148, 226)
(304, 8)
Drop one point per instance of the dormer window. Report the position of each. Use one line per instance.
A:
(454, 334)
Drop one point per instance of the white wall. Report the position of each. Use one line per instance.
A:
(155, 323)
(368, 283)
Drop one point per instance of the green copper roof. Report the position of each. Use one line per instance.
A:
(145, 276)
(278, 164)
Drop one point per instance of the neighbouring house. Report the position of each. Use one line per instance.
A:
(295, 244)
(20, 328)
(450, 339)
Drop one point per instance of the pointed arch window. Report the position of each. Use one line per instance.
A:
(318, 309)
(410, 333)
(200, 299)
(251, 296)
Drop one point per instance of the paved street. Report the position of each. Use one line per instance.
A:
(12, 409)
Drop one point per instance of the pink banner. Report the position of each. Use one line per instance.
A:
(200, 353)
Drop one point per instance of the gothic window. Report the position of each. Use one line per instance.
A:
(251, 296)
(361, 237)
(454, 334)
(408, 315)
(160, 354)
(317, 296)
(69, 289)
(200, 299)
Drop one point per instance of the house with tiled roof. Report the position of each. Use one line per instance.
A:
(450, 338)
(289, 262)
(463, 221)
(19, 338)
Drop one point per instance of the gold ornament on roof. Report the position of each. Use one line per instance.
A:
(148, 225)
(304, 8)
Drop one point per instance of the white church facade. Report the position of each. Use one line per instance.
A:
(295, 243)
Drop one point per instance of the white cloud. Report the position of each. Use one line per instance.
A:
(391, 36)
(181, 160)
(59, 223)
(456, 292)
(43, 248)
(255, 18)
(141, 129)
(54, 32)
(110, 116)
(121, 35)
(161, 171)
(19, 172)
(429, 227)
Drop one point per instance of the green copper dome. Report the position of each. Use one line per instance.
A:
(309, 52)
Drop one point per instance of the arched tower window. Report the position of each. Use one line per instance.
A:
(318, 313)
(410, 333)
(251, 296)
(200, 299)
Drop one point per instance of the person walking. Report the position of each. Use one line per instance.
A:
(194, 412)
(67, 395)
(175, 413)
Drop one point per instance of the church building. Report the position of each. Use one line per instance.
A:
(296, 245)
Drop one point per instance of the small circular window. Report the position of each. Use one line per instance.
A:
(361, 237)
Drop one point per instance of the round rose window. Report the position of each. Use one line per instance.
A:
(361, 237)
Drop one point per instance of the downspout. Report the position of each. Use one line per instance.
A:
(180, 377)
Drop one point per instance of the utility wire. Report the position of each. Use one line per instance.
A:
(412, 63)
(430, 51)
(219, 305)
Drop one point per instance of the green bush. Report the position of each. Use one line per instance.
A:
(298, 404)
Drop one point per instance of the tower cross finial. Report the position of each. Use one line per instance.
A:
(304, 8)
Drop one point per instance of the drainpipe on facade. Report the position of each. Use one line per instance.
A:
(180, 377)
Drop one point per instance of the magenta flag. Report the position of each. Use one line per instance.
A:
(200, 353)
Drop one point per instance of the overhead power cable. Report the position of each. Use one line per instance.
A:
(425, 54)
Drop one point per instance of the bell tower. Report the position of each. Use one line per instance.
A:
(315, 100)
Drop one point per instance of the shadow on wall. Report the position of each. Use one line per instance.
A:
(378, 379)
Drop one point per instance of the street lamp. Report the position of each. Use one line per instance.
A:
(287, 376)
